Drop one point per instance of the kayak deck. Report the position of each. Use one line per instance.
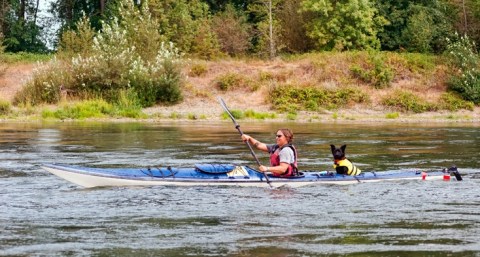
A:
(215, 174)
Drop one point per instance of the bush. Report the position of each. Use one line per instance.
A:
(45, 85)
(452, 102)
(465, 60)
(289, 98)
(408, 102)
(5, 107)
(229, 81)
(115, 63)
(375, 71)
(198, 70)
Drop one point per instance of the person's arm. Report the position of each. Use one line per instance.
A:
(278, 170)
(257, 144)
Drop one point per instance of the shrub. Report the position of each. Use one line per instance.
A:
(290, 98)
(376, 72)
(5, 107)
(451, 101)
(229, 81)
(409, 102)
(45, 85)
(198, 70)
(116, 63)
(79, 41)
(465, 60)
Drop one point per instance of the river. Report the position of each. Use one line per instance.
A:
(43, 215)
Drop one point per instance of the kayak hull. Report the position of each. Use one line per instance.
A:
(216, 175)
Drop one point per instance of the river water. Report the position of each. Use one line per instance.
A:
(43, 215)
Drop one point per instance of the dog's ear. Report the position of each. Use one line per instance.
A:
(332, 147)
(343, 147)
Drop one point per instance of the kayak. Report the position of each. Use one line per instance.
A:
(222, 175)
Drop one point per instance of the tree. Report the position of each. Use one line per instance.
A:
(267, 26)
(20, 28)
(344, 24)
(179, 20)
(292, 21)
(417, 26)
(467, 20)
(232, 31)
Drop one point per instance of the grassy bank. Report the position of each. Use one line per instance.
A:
(380, 86)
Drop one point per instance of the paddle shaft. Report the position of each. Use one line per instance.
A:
(241, 134)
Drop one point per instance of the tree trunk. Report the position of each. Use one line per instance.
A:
(270, 22)
(21, 11)
(465, 17)
(102, 7)
(36, 12)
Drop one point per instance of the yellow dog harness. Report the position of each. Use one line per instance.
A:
(352, 170)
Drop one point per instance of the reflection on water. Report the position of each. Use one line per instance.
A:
(44, 215)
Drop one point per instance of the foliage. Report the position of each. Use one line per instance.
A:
(249, 114)
(18, 24)
(198, 70)
(25, 57)
(344, 25)
(259, 115)
(375, 72)
(408, 102)
(237, 114)
(44, 87)
(77, 41)
(392, 115)
(96, 108)
(205, 44)
(232, 31)
(290, 98)
(293, 32)
(5, 107)
(416, 26)
(116, 63)
(466, 61)
(2, 47)
(452, 102)
(267, 26)
(229, 81)
(179, 20)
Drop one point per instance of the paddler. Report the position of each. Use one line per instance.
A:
(283, 155)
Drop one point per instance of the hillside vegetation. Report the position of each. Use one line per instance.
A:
(348, 85)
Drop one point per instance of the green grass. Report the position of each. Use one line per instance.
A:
(249, 114)
(91, 109)
(5, 107)
(25, 57)
(392, 115)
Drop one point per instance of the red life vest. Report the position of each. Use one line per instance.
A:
(275, 161)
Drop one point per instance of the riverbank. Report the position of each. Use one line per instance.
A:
(200, 93)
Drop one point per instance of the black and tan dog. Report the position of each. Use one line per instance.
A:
(341, 164)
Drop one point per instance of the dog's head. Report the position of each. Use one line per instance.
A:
(338, 153)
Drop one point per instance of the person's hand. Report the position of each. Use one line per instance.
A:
(246, 137)
(262, 168)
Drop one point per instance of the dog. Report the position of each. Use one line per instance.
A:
(341, 164)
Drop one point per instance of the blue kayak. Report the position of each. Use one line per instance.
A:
(222, 174)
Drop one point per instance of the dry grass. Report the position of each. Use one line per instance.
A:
(325, 70)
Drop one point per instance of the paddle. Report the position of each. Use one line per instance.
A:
(241, 133)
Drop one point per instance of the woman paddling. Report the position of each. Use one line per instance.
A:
(283, 155)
